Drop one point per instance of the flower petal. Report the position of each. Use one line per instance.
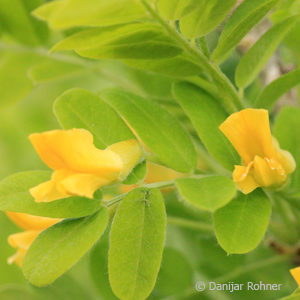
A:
(249, 132)
(74, 150)
(30, 222)
(48, 191)
(268, 172)
(65, 184)
(22, 241)
(130, 153)
(296, 274)
(85, 184)
(17, 257)
(244, 179)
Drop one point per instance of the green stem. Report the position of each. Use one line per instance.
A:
(191, 224)
(285, 212)
(114, 200)
(241, 93)
(207, 86)
(232, 101)
(203, 46)
(211, 164)
(293, 200)
(160, 185)
(157, 185)
(282, 209)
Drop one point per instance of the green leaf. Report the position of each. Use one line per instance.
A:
(136, 244)
(79, 108)
(285, 9)
(292, 40)
(249, 13)
(158, 129)
(69, 13)
(206, 16)
(8, 272)
(99, 268)
(254, 60)
(15, 196)
(59, 247)
(206, 115)
(16, 20)
(175, 275)
(178, 66)
(294, 296)
(131, 41)
(207, 193)
(277, 88)
(286, 130)
(241, 225)
(175, 9)
(137, 175)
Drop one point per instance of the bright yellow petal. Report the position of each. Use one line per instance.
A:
(65, 184)
(48, 191)
(130, 153)
(17, 257)
(244, 179)
(268, 172)
(23, 240)
(85, 185)
(74, 150)
(29, 222)
(296, 274)
(249, 132)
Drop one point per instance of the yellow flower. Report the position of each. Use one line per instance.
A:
(32, 225)
(79, 167)
(296, 274)
(264, 163)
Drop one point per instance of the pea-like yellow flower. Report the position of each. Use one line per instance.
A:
(79, 167)
(296, 274)
(33, 226)
(264, 163)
